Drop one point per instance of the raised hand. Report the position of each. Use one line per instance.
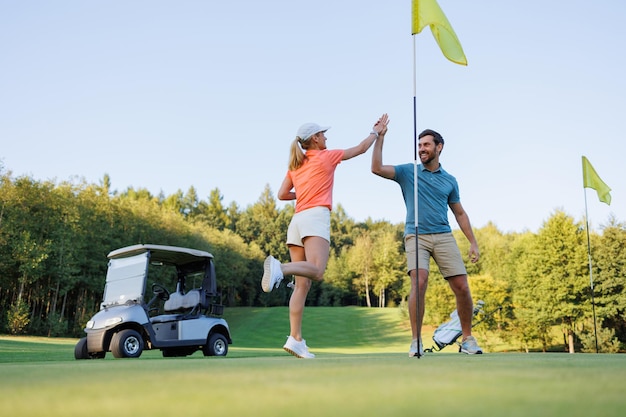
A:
(380, 127)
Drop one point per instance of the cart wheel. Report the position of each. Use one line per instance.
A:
(127, 344)
(216, 346)
(80, 350)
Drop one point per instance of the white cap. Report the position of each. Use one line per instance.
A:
(309, 129)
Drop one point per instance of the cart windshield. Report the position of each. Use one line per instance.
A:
(126, 280)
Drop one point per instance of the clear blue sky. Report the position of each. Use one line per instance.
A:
(165, 95)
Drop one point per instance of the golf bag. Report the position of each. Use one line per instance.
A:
(448, 333)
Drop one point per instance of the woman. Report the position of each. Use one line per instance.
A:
(309, 181)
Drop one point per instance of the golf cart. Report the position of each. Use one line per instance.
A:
(178, 321)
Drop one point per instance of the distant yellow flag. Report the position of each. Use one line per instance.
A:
(591, 179)
(428, 13)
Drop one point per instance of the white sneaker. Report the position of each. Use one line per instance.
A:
(298, 349)
(413, 349)
(470, 346)
(272, 274)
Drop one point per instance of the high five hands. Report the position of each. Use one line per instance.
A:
(380, 127)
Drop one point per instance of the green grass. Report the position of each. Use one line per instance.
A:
(333, 330)
(361, 369)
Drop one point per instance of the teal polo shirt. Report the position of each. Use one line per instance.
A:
(436, 190)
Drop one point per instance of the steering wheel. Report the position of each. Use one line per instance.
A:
(160, 292)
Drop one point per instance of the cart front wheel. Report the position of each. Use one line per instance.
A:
(127, 343)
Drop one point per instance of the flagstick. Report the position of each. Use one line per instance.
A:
(415, 201)
(593, 304)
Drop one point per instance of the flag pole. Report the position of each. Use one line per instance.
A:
(593, 304)
(428, 13)
(415, 201)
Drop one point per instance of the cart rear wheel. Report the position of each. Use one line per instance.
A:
(81, 352)
(217, 345)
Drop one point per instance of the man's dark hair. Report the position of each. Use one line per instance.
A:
(438, 138)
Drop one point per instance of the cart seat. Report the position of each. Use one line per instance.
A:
(178, 301)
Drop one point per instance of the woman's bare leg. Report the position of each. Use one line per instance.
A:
(307, 263)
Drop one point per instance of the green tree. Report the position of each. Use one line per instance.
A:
(233, 215)
(609, 263)
(336, 290)
(389, 265)
(237, 266)
(190, 202)
(213, 212)
(17, 317)
(262, 223)
(495, 248)
(175, 202)
(342, 228)
(496, 294)
(360, 260)
(553, 290)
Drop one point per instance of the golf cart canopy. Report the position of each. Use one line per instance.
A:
(171, 255)
(128, 269)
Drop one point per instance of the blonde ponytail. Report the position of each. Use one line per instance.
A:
(296, 155)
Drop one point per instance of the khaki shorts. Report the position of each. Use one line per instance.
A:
(443, 249)
(311, 222)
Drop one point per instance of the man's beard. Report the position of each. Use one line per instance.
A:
(428, 160)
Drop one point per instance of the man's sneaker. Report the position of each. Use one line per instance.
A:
(470, 346)
(272, 274)
(298, 349)
(413, 349)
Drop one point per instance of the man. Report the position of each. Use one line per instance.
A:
(437, 191)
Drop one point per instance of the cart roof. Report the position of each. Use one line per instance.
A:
(161, 253)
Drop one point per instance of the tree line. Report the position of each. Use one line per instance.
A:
(55, 237)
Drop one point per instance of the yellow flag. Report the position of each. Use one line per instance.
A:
(591, 179)
(428, 13)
